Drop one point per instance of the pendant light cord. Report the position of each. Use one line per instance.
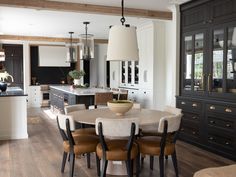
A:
(123, 18)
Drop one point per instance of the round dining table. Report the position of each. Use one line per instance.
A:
(147, 118)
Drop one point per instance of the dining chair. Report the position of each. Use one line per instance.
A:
(150, 130)
(81, 131)
(163, 145)
(101, 99)
(123, 95)
(117, 143)
(79, 145)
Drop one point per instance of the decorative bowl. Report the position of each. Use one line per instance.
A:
(120, 107)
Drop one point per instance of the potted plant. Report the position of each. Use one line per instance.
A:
(76, 75)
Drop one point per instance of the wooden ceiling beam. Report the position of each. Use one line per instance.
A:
(85, 8)
(46, 39)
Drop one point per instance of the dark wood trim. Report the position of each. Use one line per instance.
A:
(86, 8)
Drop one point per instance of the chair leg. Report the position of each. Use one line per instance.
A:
(166, 157)
(63, 161)
(151, 162)
(142, 159)
(104, 167)
(128, 167)
(138, 165)
(132, 168)
(88, 160)
(72, 163)
(174, 160)
(161, 164)
(98, 165)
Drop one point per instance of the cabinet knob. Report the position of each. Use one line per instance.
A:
(212, 107)
(211, 138)
(183, 103)
(194, 105)
(144, 92)
(228, 125)
(194, 117)
(228, 110)
(227, 143)
(212, 121)
(193, 132)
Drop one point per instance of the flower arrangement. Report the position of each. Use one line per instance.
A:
(76, 74)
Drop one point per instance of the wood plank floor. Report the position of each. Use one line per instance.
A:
(41, 155)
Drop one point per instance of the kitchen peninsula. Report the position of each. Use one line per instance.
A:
(67, 95)
(13, 119)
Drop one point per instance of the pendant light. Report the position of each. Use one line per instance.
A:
(86, 44)
(2, 53)
(122, 42)
(71, 51)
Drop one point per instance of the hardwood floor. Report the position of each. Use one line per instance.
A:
(41, 155)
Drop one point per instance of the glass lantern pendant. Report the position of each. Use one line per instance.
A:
(86, 44)
(71, 55)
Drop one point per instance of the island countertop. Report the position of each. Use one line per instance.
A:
(79, 91)
(12, 91)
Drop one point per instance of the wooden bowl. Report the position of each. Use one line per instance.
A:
(120, 107)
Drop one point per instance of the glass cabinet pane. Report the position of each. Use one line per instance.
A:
(123, 72)
(198, 62)
(136, 72)
(217, 61)
(129, 72)
(187, 63)
(231, 61)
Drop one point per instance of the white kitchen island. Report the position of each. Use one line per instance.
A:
(13, 117)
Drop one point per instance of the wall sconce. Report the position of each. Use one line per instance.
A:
(86, 42)
(71, 56)
(122, 42)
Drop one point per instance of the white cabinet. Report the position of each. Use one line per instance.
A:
(129, 74)
(34, 96)
(145, 98)
(133, 95)
(114, 74)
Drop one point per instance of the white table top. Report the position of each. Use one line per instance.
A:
(147, 116)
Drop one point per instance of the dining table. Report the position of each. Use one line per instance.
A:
(147, 117)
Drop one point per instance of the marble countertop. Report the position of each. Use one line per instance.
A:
(13, 91)
(80, 91)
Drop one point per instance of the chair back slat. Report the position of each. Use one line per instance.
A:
(62, 121)
(117, 127)
(72, 108)
(173, 123)
(172, 110)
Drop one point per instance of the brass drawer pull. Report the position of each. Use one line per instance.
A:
(211, 138)
(227, 143)
(183, 103)
(212, 107)
(228, 110)
(194, 105)
(194, 117)
(228, 125)
(212, 121)
(194, 133)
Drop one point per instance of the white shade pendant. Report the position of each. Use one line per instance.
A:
(122, 44)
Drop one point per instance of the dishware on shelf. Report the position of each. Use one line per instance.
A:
(120, 107)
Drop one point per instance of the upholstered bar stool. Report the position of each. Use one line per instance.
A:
(117, 143)
(123, 95)
(74, 146)
(101, 99)
(164, 144)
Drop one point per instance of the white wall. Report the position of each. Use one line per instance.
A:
(102, 55)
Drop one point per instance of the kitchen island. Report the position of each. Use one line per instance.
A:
(13, 109)
(67, 95)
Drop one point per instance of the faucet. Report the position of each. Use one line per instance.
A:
(5, 75)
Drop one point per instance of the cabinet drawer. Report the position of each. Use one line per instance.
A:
(189, 105)
(189, 129)
(224, 123)
(222, 141)
(225, 109)
(191, 116)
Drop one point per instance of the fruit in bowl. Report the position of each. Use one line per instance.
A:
(120, 106)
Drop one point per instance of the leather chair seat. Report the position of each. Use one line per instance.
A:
(84, 131)
(116, 150)
(151, 145)
(83, 144)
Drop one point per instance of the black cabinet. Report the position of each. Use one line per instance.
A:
(208, 81)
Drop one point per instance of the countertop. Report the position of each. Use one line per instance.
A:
(13, 91)
(80, 91)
